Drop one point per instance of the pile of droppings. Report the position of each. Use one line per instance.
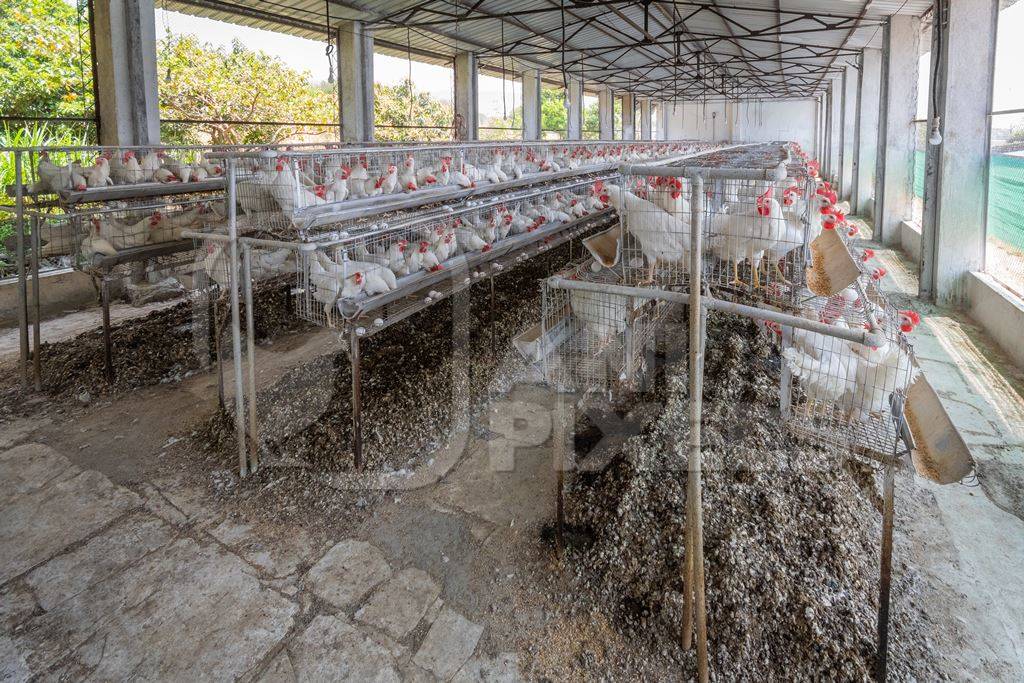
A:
(166, 345)
(791, 538)
(423, 379)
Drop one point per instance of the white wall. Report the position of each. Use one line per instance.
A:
(744, 121)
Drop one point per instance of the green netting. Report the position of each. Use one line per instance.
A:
(1005, 259)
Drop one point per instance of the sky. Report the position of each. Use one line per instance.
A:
(308, 55)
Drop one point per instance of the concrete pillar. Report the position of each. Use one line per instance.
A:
(355, 81)
(645, 119)
(836, 134)
(574, 110)
(628, 116)
(531, 105)
(956, 171)
(866, 143)
(664, 114)
(467, 117)
(848, 128)
(125, 45)
(826, 157)
(894, 193)
(606, 113)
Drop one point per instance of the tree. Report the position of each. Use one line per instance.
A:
(45, 58)
(392, 107)
(201, 81)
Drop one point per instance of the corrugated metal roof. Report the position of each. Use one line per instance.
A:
(747, 48)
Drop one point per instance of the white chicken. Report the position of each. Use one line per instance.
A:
(125, 168)
(879, 372)
(747, 234)
(95, 243)
(663, 238)
(150, 164)
(604, 315)
(359, 183)
(268, 264)
(826, 377)
(407, 178)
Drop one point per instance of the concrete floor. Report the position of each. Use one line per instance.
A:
(968, 538)
(119, 563)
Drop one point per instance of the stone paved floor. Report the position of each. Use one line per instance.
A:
(100, 582)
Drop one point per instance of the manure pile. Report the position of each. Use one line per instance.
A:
(791, 539)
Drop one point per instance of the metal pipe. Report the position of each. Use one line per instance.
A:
(885, 579)
(250, 352)
(236, 332)
(775, 173)
(19, 231)
(37, 367)
(357, 398)
(694, 513)
(858, 336)
(108, 353)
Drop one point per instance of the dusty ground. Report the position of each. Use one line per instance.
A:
(459, 546)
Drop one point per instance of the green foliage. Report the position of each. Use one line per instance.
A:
(201, 81)
(392, 107)
(45, 58)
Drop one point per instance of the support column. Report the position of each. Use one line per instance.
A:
(355, 81)
(531, 105)
(849, 126)
(645, 119)
(869, 89)
(574, 110)
(606, 113)
(628, 116)
(125, 37)
(665, 109)
(467, 117)
(956, 171)
(895, 186)
(836, 134)
(826, 157)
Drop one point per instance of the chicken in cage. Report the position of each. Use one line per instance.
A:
(384, 257)
(90, 168)
(655, 218)
(592, 340)
(847, 386)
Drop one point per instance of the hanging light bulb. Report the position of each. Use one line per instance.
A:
(934, 136)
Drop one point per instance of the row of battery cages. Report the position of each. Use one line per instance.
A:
(141, 240)
(292, 190)
(596, 342)
(387, 266)
(757, 243)
(755, 235)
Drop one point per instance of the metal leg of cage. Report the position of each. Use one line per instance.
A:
(885, 572)
(250, 352)
(694, 513)
(37, 363)
(357, 398)
(108, 353)
(490, 320)
(236, 331)
(19, 232)
(785, 374)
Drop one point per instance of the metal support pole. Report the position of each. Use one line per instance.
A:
(357, 399)
(19, 232)
(37, 367)
(108, 354)
(236, 323)
(250, 352)
(694, 514)
(785, 376)
(490, 319)
(885, 578)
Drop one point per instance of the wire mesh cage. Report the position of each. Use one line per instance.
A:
(596, 341)
(280, 189)
(844, 388)
(386, 266)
